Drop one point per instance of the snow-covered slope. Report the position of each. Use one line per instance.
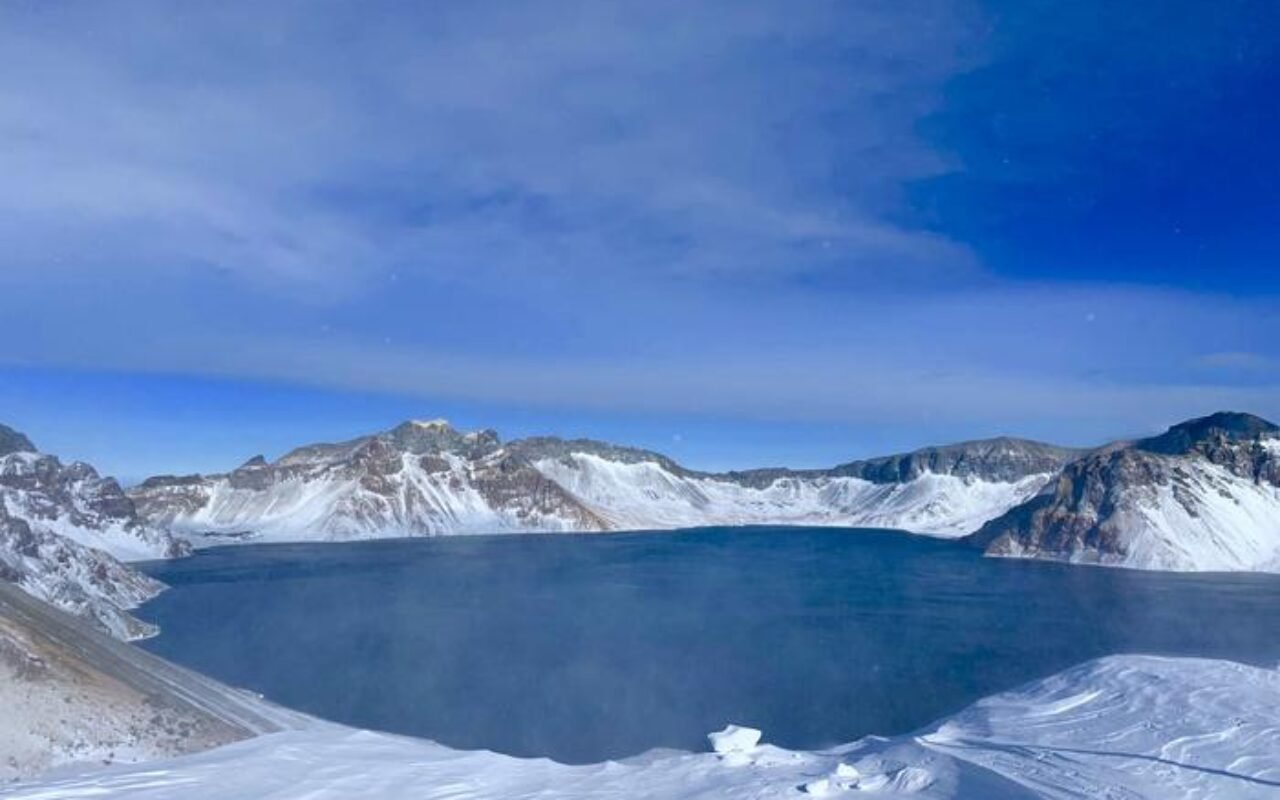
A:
(421, 478)
(74, 502)
(1204, 496)
(63, 531)
(646, 495)
(1124, 727)
(70, 694)
(424, 478)
(86, 582)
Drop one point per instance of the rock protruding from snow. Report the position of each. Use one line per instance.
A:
(73, 501)
(12, 441)
(63, 532)
(87, 582)
(424, 478)
(1204, 496)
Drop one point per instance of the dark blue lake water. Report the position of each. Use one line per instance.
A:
(589, 647)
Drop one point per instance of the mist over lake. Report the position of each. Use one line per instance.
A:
(582, 647)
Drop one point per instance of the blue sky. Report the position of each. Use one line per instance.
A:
(742, 233)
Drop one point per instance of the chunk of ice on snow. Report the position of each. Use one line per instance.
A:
(820, 787)
(734, 743)
(734, 739)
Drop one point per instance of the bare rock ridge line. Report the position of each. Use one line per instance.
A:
(425, 478)
(70, 693)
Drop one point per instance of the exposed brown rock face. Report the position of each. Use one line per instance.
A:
(1107, 505)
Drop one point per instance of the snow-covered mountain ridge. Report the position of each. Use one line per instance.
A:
(423, 478)
(64, 532)
(1203, 496)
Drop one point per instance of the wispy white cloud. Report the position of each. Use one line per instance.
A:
(1239, 362)
(643, 207)
(1080, 365)
(307, 145)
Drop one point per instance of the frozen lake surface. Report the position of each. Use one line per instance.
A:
(586, 647)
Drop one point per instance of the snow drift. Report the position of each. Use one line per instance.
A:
(1136, 727)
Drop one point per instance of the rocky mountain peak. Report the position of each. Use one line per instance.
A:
(12, 441)
(437, 435)
(1224, 426)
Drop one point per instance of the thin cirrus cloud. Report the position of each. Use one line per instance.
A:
(1240, 362)
(650, 208)
(303, 146)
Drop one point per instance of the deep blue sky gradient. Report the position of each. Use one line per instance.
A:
(741, 233)
(1129, 142)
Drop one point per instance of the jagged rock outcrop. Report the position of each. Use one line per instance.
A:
(86, 582)
(423, 478)
(12, 441)
(64, 531)
(1205, 495)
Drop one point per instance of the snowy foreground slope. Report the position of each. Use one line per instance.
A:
(64, 532)
(424, 478)
(1204, 496)
(1127, 727)
(71, 694)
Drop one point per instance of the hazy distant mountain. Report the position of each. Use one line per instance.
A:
(423, 478)
(1205, 495)
(64, 531)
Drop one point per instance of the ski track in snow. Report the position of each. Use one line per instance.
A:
(1122, 727)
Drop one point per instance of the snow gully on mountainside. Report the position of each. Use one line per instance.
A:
(427, 478)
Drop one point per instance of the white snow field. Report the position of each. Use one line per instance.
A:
(1122, 727)
(1211, 520)
(644, 495)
